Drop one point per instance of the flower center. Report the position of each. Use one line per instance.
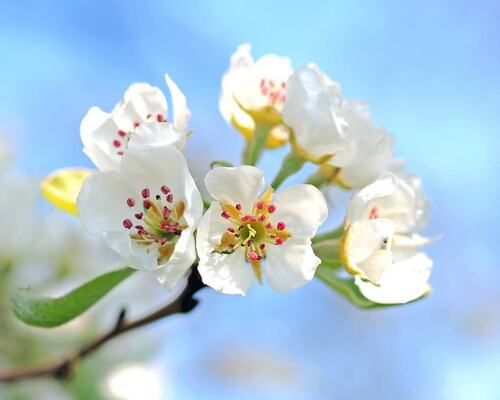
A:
(274, 91)
(253, 231)
(120, 141)
(159, 224)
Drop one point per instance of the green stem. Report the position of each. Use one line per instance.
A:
(334, 234)
(291, 164)
(317, 179)
(256, 145)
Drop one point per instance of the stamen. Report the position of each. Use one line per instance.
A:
(271, 208)
(170, 197)
(281, 226)
(165, 189)
(139, 215)
(117, 143)
(225, 214)
(136, 124)
(146, 204)
(127, 223)
(238, 207)
(130, 202)
(278, 241)
(252, 255)
(260, 205)
(146, 193)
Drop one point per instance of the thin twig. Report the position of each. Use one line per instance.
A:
(63, 368)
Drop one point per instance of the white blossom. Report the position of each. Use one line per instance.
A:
(138, 120)
(255, 89)
(246, 225)
(147, 212)
(381, 243)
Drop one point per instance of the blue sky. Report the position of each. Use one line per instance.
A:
(429, 69)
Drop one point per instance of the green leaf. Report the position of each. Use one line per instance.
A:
(50, 312)
(220, 163)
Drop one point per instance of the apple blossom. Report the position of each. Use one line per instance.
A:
(147, 212)
(139, 119)
(246, 225)
(253, 92)
(381, 244)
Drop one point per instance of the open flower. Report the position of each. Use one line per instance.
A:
(147, 212)
(381, 243)
(254, 92)
(246, 225)
(139, 119)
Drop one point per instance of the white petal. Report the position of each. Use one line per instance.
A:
(154, 167)
(367, 247)
(227, 273)
(141, 100)
(102, 202)
(183, 257)
(358, 205)
(157, 134)
(303, 208)
(182, 113)
(98, 130)
(120, 242)
(235, 185)
(290, 265)
(310, 110)
(404, 281)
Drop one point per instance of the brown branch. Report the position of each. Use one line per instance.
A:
(62, 369)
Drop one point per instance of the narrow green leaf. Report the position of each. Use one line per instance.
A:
(50, 312)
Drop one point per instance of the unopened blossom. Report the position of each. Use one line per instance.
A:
(139, 119)
(254, 92)
(247, 225)
(381, 243)
(147, 211)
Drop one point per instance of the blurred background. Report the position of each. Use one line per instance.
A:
(429, 69)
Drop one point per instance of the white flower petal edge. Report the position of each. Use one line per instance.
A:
(242, 230)
(106, 137)
(402, 282)
(235, 185)
(310, 110)
(146, 212)
(381, 242)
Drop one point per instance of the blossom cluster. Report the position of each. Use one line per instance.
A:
(147, 207)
